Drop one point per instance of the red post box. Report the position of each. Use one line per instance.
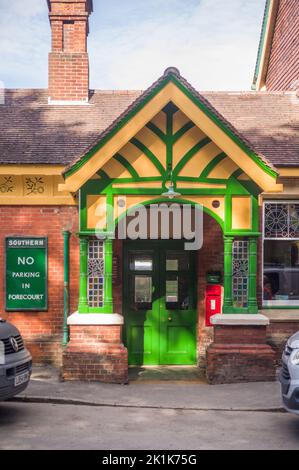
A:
(213, 301)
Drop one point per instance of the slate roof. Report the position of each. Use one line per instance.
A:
(31, 131)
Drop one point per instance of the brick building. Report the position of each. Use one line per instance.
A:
(77, 164)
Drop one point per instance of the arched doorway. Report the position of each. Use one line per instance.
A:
(160, 297)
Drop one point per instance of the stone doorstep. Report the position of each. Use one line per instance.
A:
(240, 319)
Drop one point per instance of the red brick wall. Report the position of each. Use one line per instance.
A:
(209, 257)
(42, 331)
(283, 70)
(278, 333)
(95, 353)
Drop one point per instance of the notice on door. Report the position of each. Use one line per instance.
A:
(26, 273)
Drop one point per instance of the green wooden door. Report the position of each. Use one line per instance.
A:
(159, 303)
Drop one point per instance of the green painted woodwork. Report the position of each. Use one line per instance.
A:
(196, 99)
(189, 155)
(83, 304)
(227, 278)
(205, 173)
(66, 262)
(108, 254)
(149, 154)
(169, 110)
(103, 174)
(126, 164)
(252, 301)
(189, 125)
(156, 130)
(158, 332)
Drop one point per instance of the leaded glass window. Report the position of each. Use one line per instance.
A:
(281, 220)
(240, 273)
(95, 273)
(281, 254)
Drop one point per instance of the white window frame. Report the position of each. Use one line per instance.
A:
(275, 303)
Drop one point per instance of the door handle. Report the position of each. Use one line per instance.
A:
(169, 318)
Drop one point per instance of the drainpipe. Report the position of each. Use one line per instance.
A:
(66, 238)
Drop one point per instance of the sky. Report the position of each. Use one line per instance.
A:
(212, 42)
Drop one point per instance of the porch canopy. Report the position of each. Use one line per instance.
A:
(171, 135)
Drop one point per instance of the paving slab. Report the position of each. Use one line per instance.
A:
(45, 386)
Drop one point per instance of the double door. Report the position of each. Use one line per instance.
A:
(159, 303)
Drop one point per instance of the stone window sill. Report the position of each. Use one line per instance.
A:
(281, 315)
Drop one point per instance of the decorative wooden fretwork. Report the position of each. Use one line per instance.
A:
(95, 273)
(35, 185)
(281, 220)
(6, 184)
(240, 265)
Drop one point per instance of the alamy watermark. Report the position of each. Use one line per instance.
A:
(158, 221)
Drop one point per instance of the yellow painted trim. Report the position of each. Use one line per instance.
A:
(288, 172)
(261, 79)
(38, 201)
(131, 201)
(145, 184)
(184, 144)
(114, 169)
(207, 201)
(160, 121)
(31, 170)
(96, 212)
(141, 163)
(171, 93)
(200, 160)
(241, 213)
(154, 144)
(195, 185)
(179, 120)
(224, 169)
(33, 189)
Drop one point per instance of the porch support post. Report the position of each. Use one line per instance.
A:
(108, 253)
(252, 300)
(83, 304)
(228, 274)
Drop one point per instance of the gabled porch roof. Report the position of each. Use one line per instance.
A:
(172, 87)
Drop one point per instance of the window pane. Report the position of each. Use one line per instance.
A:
(96, 270)
(281, 270)
(240, 273)
(141, 262)
(177, 292)
(172, 265)
(141, 292)
(281, 220)
(177, 261)
(172, 290)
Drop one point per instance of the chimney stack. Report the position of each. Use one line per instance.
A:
(68, 59)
